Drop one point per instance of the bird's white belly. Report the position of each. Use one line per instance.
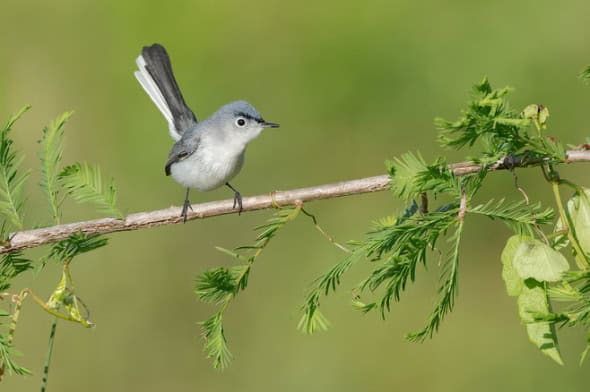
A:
(208, 168)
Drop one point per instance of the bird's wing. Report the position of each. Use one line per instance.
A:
(179, 152)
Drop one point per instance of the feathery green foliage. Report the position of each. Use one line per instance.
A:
(487, 119)
(7, 352)
(215, 341)
(516, 214)
(398, 245)
(448, 290)
(11, 183)
(216, 284)
(221, 285)
(12, 265)
(312, 319)
(439, 202)
(417, 177)
(500, 131)
(50, 155)
(574, 288)
(84, 184)
(76, 244)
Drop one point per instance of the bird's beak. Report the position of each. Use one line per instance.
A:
(269, 125)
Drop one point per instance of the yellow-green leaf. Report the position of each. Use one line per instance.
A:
(579, 210)
(511, 278)
(537, 260)
(533, 301)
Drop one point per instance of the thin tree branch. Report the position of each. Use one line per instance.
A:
(37, 237)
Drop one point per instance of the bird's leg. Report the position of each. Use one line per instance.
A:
(186, 206)
(237, 198)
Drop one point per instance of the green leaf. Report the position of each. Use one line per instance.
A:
(531, 111)
(534, 259)
(579, 211)
(536, 112)
(51, 154)
(233, 254)
(85, 185)
(533, 304)
(543, 115)
(11, 184)
(512, 280)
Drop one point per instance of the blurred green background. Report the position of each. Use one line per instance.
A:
(352, 84)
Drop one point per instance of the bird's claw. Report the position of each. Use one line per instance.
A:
(238, 202)
(185, 208)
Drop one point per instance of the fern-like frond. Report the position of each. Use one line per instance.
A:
(50, 155)
(215, 341)
(402, 246)
(404, 171)
(66, 250)
(312, 319)
(516, 214)
(11, 183)
(11, 265)
(7, 352)
(85, 185)
(412, 176)
(221, 285)
(216, 284)
(448, 290)
(487, 119)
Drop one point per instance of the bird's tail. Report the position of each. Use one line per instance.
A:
(156, 77)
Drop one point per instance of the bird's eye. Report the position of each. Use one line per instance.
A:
(240, 122)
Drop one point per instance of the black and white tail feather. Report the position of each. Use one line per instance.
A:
(157, 79)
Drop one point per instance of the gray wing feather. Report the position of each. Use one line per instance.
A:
(180, 151)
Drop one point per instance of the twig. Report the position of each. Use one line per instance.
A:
(324, 232)
(37, 237)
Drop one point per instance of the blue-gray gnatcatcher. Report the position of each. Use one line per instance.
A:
(209, 153)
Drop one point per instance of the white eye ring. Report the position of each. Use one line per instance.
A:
(241, 122)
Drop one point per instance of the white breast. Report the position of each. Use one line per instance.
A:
(209, 167)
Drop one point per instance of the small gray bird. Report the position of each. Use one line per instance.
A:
(209, 153)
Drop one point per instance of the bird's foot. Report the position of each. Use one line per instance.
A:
(185, 208)
(238, 201)
(237, 198)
